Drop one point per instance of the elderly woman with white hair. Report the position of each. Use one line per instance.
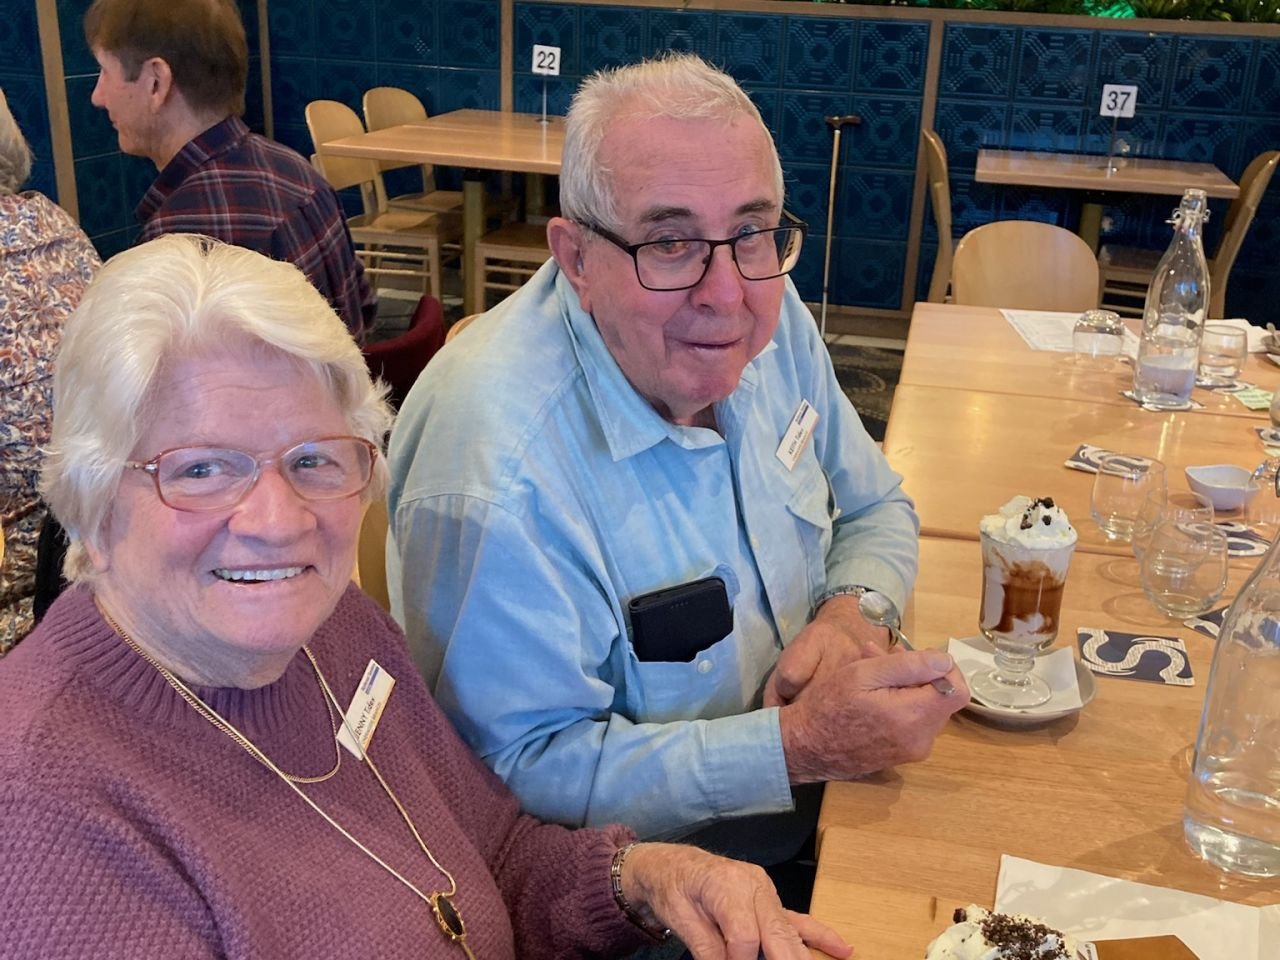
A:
(215, 744)
(45, 263)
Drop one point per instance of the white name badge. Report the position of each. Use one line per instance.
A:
(799, 430)
(367, 704)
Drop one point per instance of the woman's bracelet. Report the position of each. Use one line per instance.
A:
(645, 921)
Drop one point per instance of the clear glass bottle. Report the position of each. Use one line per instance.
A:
(1173, 319)
(1232, 813)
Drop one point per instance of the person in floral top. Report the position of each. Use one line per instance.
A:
(45, 263)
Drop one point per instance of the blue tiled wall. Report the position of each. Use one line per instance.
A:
(109, 184)
(1202, 98)
(22, 79)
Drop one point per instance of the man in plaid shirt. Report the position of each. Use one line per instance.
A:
(172, 78)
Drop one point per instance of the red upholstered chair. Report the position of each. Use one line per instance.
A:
(399, 360)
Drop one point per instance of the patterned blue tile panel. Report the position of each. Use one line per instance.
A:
(1264, 90)
(1058, 207)
(109, 244)
(136, 177)
(468, 89)
(343, 28)
(253, 104)
(891, 56)
(1136, 136)
(977, 61)
(293, 86)
(924, 269)
(807, 273)
(972, 203)
(805, 135)
(27, 104)
(406, 33)
(1252, 294)
(683, 30)
(1210, 73)
(1258, 136)
(805, 186)
(103, 207)
(293, 27)
(20, 38)
(1201, 139)
(1045, 128)
(469, 34)
(1141, 59)
(1263, 238)
(43, 179)
(1054, 65)
(77, 60)
(965, 128)
(91, 130)
(874, 203)
(420, 81)
(611, 36)
(749, 46)
(552, 25)
(528, 88)
(867, 272)
(767, 101)
(1128, 218)
(888, 135)
(249, 16)
(345, 81)
(296, 137)
(819, 53)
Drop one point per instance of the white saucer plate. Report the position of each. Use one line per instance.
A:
(1007, 717)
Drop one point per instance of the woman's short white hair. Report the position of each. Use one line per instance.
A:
(180, 297)
(678, 86)
(15, 154)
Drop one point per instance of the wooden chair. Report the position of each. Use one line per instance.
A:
(505, 258)
(459, 326)
(1126, 271)
(1023, 264)
(370, 573)
(935, 162)
(391, 107)
(396, 245)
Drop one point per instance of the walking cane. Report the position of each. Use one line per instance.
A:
(836, 123)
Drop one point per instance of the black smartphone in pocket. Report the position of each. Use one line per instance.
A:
(672, 624)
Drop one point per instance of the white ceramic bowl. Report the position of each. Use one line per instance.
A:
(1228, 487)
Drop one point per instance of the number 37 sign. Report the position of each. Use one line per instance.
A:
(1118, 100)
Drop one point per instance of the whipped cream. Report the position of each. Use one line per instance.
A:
(980, 935)
(1038, 524)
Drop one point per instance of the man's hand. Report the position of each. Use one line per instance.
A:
(868, 714)
(837, 634)
(721, 909)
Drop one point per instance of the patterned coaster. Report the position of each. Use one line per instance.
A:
(1210, 624)
(1135, 656)
(1241, 541)
(1087, 455)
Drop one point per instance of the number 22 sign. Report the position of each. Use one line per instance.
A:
(1118, 100)
(546, 60)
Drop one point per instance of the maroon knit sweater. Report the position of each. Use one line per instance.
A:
(131, 827)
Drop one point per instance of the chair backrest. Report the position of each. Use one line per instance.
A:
(935, 162)
(1253, 184)
(459, 326)
(390, 107)
(398, 361)
(1023, 264)
(328, 120)
(371, 553)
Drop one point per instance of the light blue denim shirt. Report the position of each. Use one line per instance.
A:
(534, 493)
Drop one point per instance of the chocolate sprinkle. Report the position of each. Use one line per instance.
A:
(1021, 939)
(1026, 522)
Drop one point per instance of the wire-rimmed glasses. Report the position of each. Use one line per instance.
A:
(196, 479)
(679, 263)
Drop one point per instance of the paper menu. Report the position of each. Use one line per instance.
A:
(1049, 330)
(1094, 907)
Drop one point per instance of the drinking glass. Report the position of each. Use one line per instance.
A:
(1098, 334)
(1222, 353)
(1120, 491)
(1184, 567)
(1185, 507)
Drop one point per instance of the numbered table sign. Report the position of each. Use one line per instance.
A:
(546, 60)
(1118, 100)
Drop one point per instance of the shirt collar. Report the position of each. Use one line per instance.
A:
(628, 421)
(218, 139)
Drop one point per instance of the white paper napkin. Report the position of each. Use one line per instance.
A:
(1094, 907)
(1057, 669)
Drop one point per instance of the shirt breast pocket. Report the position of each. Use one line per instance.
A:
(812, 504)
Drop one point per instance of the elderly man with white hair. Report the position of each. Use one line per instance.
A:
(633, 512)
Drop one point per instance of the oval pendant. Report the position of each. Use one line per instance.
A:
(448, 917)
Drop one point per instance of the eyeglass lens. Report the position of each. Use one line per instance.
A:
(206, 478)
(677, 264)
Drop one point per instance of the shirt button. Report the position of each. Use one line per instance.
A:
(783, 623)
(755, 542)
(704, 666)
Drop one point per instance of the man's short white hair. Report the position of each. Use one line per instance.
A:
(679, 86)
(180, 297)
(15, 153)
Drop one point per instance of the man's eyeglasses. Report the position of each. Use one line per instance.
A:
(679, 263)
(214, 478)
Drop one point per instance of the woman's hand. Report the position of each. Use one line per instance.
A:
(721, 909)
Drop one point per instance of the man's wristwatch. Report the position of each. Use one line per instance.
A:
(874, 606)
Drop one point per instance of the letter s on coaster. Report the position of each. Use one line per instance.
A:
(367, 704)
(799, 430)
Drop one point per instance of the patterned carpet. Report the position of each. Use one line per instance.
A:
(868, 376)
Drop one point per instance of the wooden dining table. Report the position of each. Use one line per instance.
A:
(1096, 174)
(1100, 790)
(474, 140)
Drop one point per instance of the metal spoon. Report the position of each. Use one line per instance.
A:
(878, 609)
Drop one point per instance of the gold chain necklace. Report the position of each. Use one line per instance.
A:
(440, 901)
